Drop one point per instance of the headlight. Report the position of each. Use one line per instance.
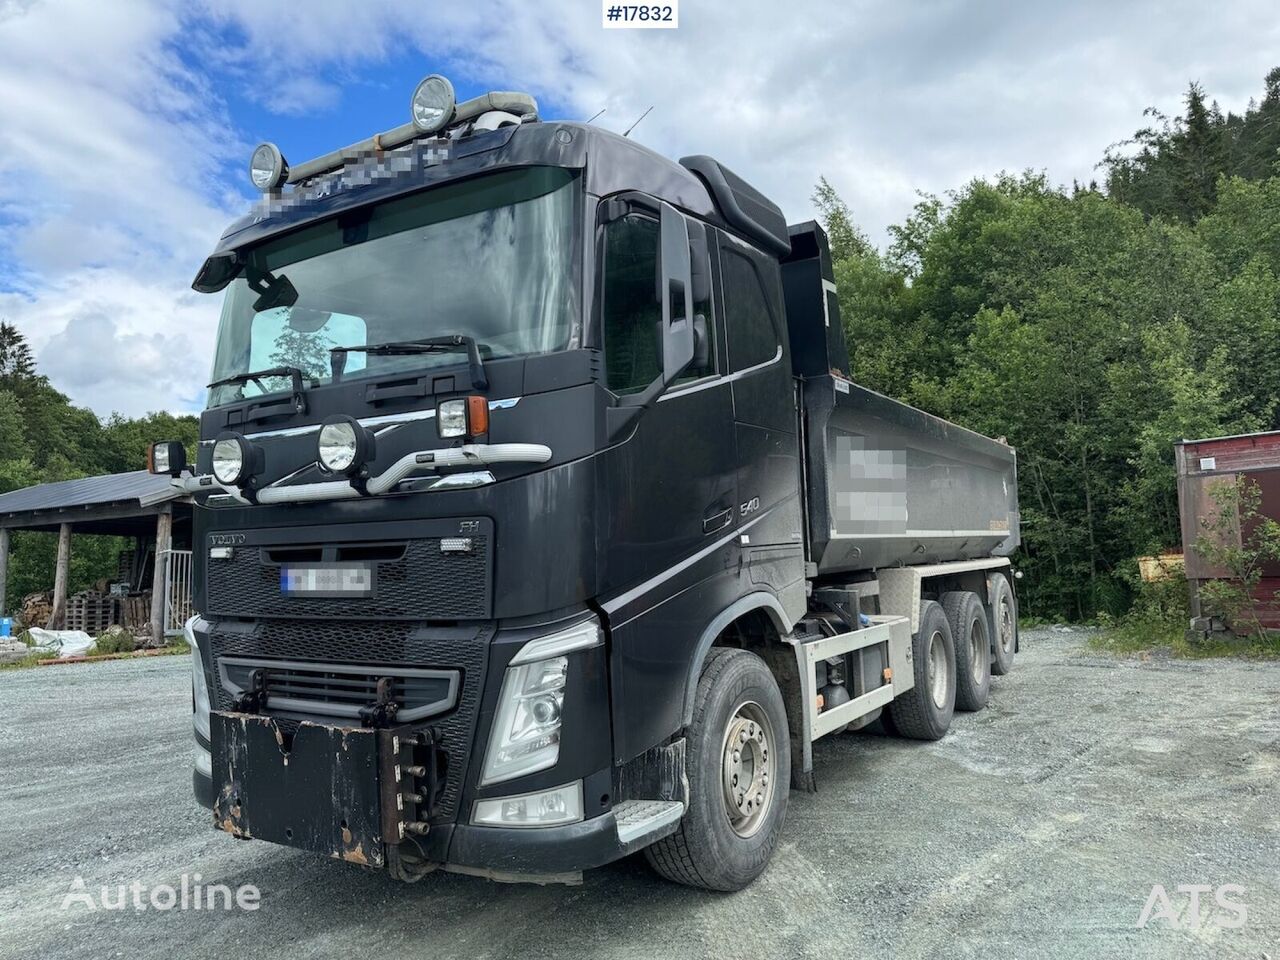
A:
(267, 168)
(451, 418)
(344, 446)
(526, 728)
(432, 104)
(466, 417)
(526, 731)
(234, 459)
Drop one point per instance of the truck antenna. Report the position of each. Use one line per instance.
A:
(602, 110)
(637, 123)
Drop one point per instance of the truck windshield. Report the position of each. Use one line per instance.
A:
(492, 258)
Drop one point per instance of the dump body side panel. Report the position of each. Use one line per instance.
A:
(889, 484)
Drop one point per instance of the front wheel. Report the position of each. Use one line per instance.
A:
(739, 768)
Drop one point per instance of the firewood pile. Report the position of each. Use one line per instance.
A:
(37, 608)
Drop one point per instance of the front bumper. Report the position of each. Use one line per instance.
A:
(511, 853)
(534, 851)
(251, 773)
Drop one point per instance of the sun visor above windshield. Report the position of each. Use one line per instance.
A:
(393, 173)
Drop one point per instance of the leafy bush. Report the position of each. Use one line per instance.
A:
(1240, 539)
(115, 640)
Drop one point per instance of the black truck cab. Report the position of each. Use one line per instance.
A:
(504, 437)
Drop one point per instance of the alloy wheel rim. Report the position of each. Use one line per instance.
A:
(977, 651)
(749, 768)
(938, 670)
(1006, 626)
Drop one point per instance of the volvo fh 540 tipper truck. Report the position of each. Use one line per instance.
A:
(538, 520)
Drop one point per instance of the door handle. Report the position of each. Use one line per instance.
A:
(717, 521)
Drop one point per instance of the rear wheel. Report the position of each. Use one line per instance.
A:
(968, 620)
(739, 769)
(1002, 623)
(924, 712)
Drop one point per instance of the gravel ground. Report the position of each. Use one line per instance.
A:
(1036, 828)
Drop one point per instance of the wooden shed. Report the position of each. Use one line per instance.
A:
(138, 505)
(1201, 466)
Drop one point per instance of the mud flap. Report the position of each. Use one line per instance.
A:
(321, 793)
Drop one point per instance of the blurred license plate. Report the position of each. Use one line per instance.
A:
(327, 581)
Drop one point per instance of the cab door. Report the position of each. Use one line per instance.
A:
(668, 503)
(766, 430)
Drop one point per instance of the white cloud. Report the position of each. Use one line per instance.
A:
(111, 146)
(109, 159)
(114, 341)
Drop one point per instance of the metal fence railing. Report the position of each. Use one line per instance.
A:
(177, 590)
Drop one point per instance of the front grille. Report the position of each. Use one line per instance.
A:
(423, 582)
(325, 643)
(341, 690)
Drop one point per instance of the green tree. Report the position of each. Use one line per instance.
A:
(16, 361)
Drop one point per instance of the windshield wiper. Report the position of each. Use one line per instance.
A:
(255, 376)
(401, 348)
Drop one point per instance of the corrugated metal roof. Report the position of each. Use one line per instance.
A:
(88, 491)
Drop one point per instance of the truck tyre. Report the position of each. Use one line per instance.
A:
(739, 769)
(1002, 623)
(924, 712)
(972, 634)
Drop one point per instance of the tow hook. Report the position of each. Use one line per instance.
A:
(254, 699)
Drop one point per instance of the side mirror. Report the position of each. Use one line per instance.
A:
(676, 326)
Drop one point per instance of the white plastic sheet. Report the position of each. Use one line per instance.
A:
(62, 643)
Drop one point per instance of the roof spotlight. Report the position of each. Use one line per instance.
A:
(267, 167)
(432, 104)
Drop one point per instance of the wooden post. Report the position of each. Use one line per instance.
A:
(4, 567)
(164, 540)
(58, 616)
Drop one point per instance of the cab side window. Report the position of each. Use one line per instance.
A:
(752, 334)
(631, 311)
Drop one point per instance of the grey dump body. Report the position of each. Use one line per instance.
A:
(885, 484)
(889, 484)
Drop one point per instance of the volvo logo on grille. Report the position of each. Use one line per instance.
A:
(226, 539)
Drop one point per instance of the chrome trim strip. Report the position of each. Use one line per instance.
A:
(620, 601)
(390, 418)
(469, 454)
(717, 381)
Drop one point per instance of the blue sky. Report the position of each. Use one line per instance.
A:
(354, 103)
(125, 127)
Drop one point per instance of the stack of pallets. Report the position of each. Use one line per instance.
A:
(92, 612)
